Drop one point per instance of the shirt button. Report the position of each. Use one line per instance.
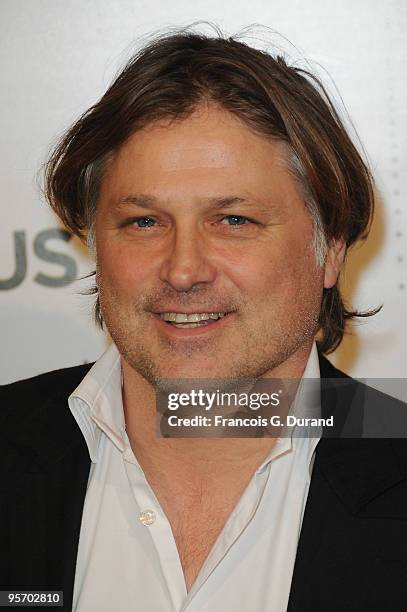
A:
(147, 517)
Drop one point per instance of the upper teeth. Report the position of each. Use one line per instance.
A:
(195, 317)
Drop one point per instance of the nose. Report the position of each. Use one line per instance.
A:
(187, 262)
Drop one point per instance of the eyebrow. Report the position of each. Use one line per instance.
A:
(146, 201)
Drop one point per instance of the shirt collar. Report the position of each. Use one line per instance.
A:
(96, 404)
(307, 403)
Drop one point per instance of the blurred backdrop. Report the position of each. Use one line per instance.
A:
(58, 57)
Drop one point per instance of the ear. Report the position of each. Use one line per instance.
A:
(333, 262)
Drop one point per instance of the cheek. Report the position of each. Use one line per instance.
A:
(122, 269)
(285, 268)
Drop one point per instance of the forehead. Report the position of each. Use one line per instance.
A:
(210, 152)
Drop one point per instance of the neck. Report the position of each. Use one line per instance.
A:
(200, 455)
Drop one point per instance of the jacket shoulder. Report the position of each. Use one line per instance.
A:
(382, 416)
(58, 382)
(35, 417)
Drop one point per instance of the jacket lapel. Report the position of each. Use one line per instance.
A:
(349, 480)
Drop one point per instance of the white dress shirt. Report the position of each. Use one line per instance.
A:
(127, 557)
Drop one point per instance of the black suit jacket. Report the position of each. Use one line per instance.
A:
(352, 552)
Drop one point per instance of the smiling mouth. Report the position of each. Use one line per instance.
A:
(191, 320)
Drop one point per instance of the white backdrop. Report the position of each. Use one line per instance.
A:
(57, 58)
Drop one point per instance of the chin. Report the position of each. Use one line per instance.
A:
(189, 370)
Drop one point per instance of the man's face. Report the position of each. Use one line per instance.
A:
(202, 216)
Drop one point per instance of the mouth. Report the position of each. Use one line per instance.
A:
(183, 320)
(199, 321)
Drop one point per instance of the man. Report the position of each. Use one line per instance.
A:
(219, 192)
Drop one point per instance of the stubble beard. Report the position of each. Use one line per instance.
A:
(252, 353)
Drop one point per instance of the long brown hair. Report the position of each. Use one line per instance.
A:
(175, 73)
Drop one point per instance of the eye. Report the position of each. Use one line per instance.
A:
(143, 222)
(235, 220)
